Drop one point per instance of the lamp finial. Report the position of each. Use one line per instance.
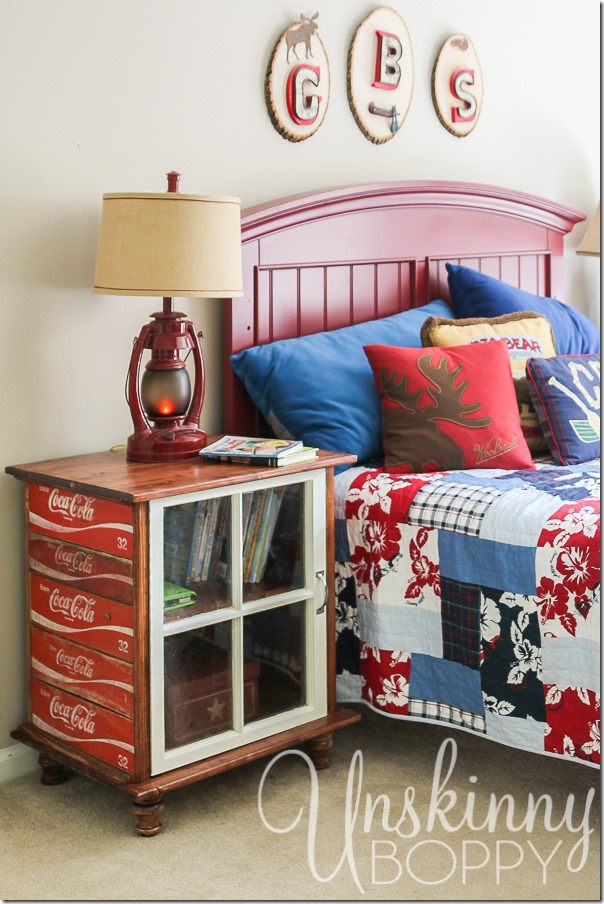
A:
(173, 179)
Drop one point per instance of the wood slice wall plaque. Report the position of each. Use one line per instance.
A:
(296, 88)
(380, 74)
(457, 86)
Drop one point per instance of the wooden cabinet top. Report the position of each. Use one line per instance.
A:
(109, 474)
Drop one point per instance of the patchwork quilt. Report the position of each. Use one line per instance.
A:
(472, 597)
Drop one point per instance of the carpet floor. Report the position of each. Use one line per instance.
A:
(407, 811)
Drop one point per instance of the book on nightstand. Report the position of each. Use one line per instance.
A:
(271, 453)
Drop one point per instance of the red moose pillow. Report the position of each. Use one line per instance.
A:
(448, 408)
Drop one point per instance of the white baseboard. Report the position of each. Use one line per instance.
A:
(17, 760)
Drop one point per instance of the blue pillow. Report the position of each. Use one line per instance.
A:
(320, 388)
(566, 395)
(475, 294)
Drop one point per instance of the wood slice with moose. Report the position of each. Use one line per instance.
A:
(296, 87)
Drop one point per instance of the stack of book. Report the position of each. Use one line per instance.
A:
(260, 513)
(179, 521)
(271, 453)
(207, 560)
(209, 528)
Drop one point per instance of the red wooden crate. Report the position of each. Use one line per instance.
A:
(89, 727)
(83, 568)
(199, 698)
(84, 617)
(82, 671)
(101, 524)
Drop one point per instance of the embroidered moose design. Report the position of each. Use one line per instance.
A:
(423, 422)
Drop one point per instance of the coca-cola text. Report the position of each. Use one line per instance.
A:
(73, 608)
(77, 561)
(76, 664)
(72, 506)
(75, 716)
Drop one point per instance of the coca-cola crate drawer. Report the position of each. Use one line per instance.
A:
(84, 617)
(196, 710)
(82, 568)
(87, 726)
(82, 671)
(101, 524)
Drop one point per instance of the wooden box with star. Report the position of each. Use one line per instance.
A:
(199, 694)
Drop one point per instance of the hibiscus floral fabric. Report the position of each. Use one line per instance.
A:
(472, 597)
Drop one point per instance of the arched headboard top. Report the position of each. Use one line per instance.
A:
(288, 212)
(332, 258)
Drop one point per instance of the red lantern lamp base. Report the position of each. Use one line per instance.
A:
(169, 444)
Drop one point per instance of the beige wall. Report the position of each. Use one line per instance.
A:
(108, 96)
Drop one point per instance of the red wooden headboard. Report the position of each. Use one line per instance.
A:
(326, 260)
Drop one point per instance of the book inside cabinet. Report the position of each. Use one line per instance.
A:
(237, 638)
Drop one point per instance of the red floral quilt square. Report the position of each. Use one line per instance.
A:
(386, 678)
(573, 722)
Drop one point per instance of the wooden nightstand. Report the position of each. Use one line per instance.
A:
(147, 687)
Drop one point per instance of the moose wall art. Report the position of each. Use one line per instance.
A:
(297, 81)
(379, 79)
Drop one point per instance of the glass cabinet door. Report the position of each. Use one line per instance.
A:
(237, 626)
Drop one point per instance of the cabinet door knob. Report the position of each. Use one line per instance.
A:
(321, 576)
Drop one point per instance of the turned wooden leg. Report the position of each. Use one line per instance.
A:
(53, 773)
(319, 750)
(148, 815)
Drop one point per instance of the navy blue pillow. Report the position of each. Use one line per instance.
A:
(566, 395)
(320, 388)
(474, 294)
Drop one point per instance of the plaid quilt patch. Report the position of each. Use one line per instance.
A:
(447, 505)
(460, 612)
(441, 712)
